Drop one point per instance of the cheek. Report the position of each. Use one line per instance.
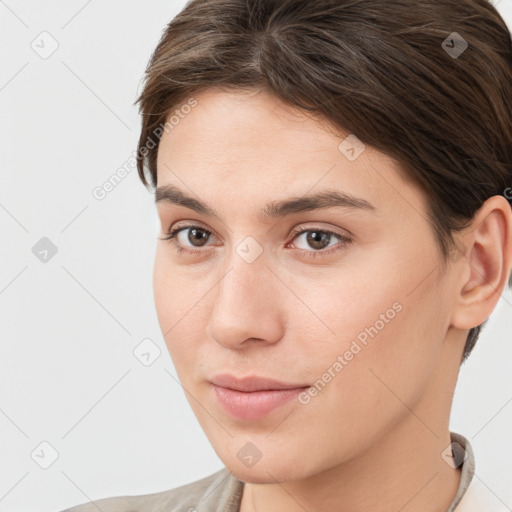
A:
(174, 290)
(182, 309)
(164, 291)
(385, 323)
(383, 365)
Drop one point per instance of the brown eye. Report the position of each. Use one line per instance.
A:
(318, 239)
(197, 235)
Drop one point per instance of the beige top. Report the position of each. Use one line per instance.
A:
(222, 492)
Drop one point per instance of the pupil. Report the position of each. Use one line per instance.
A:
(198, 235)
(316, 237)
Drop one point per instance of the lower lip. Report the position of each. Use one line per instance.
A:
(255, 404)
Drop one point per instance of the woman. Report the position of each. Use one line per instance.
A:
(333, 182)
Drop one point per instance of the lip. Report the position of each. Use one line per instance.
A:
(252, 383)
(252, 398)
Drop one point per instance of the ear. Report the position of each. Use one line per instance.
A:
(486, 265)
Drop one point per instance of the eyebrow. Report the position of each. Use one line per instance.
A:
(274, 209)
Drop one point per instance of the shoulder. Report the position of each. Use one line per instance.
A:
(473, 493)
(480, 497)
(220, 489)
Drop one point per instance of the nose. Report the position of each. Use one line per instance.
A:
(247, 308)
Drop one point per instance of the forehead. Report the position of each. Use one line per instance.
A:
(242, 123)
(250, 143)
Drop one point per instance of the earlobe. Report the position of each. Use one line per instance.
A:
(487, 263)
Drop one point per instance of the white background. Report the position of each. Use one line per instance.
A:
(69, 326)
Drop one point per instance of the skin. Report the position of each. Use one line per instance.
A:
(372, 438)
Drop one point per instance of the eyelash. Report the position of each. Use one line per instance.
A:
(344, 240)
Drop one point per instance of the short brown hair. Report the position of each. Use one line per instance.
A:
(428, 83)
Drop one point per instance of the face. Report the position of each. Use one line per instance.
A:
(347, 298)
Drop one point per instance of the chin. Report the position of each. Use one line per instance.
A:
(263, 472)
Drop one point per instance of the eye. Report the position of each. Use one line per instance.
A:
(319, 239)
(196, 234)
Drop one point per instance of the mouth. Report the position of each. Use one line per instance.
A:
(252, 398)
(253, 383)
